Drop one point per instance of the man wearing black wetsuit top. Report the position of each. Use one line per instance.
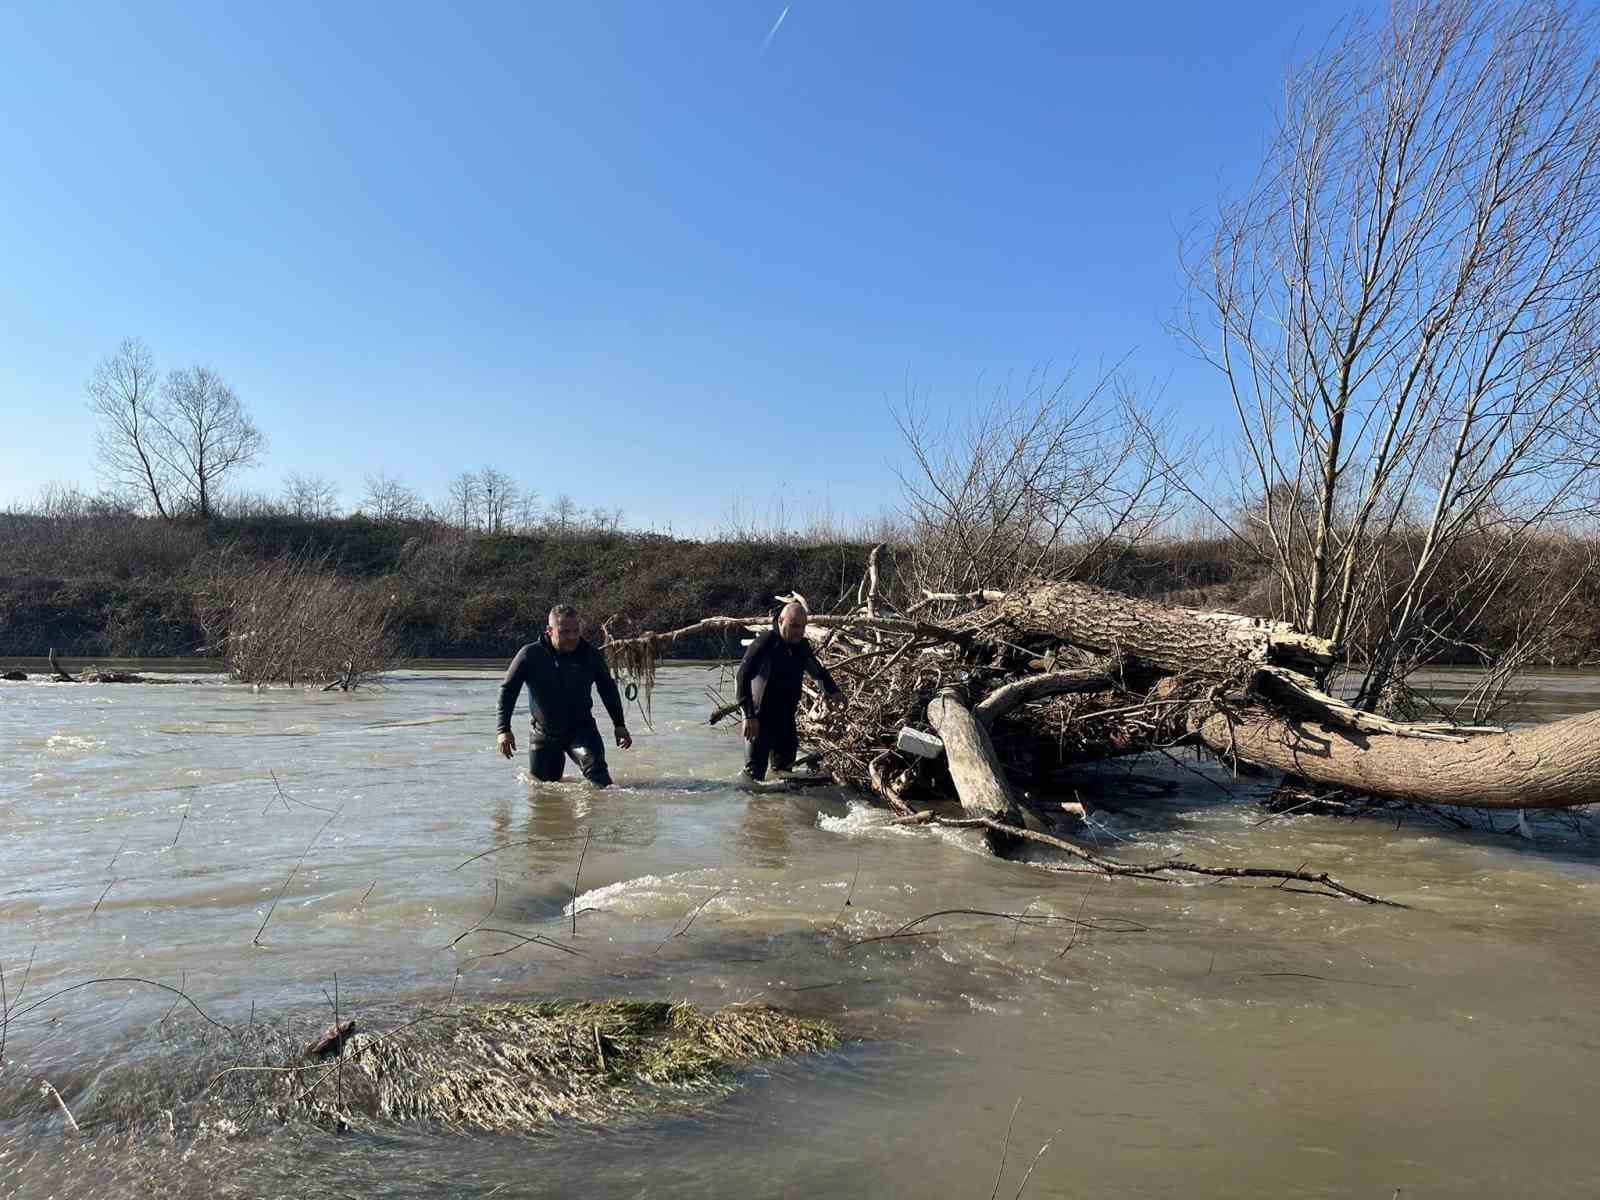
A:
(769, 691)
(558, 671)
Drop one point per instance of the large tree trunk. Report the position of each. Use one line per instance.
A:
(980, 781)
(1546, 766)
(1289, 724)
(1162, 636)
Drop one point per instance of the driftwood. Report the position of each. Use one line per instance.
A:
(1547, 766)
(93, 674)
(978, 776)
(1023, 687)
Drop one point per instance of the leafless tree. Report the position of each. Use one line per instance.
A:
(1036, 483)
(1404, 307)
(498, 494)
(528, 509)
(311, 497)
(562, 514)
(465, 498)
(205, 436)
(123, 394)
(388, 499)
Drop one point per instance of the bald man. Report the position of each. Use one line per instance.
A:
(769, 691)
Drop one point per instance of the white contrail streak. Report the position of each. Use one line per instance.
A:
(773, 32)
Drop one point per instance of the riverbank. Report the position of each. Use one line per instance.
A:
(117, 585)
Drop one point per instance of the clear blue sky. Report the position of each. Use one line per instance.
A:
(618, 250)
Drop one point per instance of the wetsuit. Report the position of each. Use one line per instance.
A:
(563, 717)
(769, 691)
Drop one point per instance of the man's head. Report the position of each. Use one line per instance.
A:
(792, 623)
(563, 628)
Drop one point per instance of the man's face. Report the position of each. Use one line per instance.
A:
(792, 624)
(563, 634)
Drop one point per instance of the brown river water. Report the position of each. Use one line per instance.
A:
(1203, 1039)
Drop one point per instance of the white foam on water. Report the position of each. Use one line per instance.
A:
(61, 743)
(644, 895)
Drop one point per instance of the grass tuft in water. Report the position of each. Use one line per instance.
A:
(519, 1066)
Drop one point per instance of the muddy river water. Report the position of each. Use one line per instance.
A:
(1204, 1039)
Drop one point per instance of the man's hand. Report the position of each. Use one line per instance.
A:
(750, 729)
(507, 742)
(624, 738)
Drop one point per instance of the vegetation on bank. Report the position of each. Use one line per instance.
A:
(116, 584)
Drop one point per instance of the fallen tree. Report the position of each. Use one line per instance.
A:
(1013, 693)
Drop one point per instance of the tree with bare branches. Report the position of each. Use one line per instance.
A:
(206, 436)
(497, 495)
(1405, 306)
(388, 498)
(1032, 485)
(311, 497)
(123, 394)
(464, 499)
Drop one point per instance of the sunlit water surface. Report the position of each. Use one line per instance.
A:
(1205, 1039)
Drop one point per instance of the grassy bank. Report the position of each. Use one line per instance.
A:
(121, 585)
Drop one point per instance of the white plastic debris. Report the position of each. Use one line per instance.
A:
(914, 741)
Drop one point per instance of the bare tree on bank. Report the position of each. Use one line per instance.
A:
(498, 495)
(311, 497)
(1034, 485)
(464, 499)
(206, 436)
(562, 514)
(1406, 308)
(122, 393)
(389, 499)
(176, 448)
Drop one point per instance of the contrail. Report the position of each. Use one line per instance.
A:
(773, 32)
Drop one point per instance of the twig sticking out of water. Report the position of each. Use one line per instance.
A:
(114, 881)
(256, 941)
(1077, 924)
(478, 924)
(6, 1006)
(522, 939)
(183, 979)
(1022, 918)
(849, 895)
(181, 822)
(697, 910)
(15, 1012)
(1050, 1141)
(1005, 1146)
(577, 876)
(1152, 870)
(48, 1089)
(288, 799)
(538, 841)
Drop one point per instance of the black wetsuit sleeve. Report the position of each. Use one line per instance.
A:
(819, 672)
(748, 669)
(607, 687)
(510, 687)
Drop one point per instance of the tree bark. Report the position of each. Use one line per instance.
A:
(1164, 636)
(1546, 766)
(979, 779)
(1036, 687)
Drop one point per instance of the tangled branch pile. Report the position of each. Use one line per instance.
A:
(294, 620)
(993, 700)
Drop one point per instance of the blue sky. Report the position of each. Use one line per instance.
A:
(617, 250)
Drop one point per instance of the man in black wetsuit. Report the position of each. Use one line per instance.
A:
(769, 691)
(558, 671)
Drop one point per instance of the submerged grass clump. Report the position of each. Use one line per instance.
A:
(518, 1066)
